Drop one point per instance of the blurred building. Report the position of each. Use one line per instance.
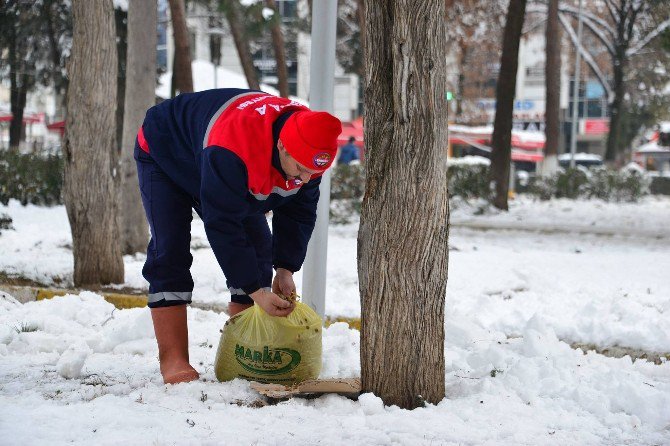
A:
(211, 41)
(477, 104)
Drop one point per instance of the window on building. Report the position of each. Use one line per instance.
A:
(287, 9)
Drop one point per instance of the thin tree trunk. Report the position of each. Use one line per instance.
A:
(614, 136)
(60, 81)
(17, 107)
(628, 13)
(501, 140)
(181, 70)
(461, 79)
(91, 179)
(17, 91)
(140, 95)
(241, 40)
(121, 27)
(280, 51)
(552, 72)
(402, 240)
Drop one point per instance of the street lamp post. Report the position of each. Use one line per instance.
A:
(321, 87)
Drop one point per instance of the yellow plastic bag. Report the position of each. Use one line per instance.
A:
(268, 349)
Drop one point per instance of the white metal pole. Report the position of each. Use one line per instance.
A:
(575, 89)
(321, 88)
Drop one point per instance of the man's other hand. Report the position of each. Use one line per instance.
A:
(271, 303)
(283, 282)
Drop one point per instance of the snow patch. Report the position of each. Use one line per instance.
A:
(72, 360)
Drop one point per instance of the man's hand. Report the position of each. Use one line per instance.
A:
(271, 303)
(283, 282)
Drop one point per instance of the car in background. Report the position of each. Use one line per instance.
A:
(581, 159)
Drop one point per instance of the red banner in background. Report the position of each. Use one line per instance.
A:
(597, 126)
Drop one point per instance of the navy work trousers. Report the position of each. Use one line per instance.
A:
(169, 212)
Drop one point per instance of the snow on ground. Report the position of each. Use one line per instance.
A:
(514, 298)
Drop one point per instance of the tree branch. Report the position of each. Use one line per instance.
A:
(598, 34)
(651, 36)
(607, 27)
(587, 58)
(612, 10)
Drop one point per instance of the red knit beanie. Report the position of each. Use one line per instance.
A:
(311, 138)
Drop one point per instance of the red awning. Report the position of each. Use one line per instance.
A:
(524, 144)
(534, 157)
(523, 149)
(57, 126)
(28, 118)
(350, 129)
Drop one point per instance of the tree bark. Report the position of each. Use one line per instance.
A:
(140, 95)
(182, 73)
(241, 40)
(360, 15)
(552, 70)
(121, 27)
(501, 156)
(614, 136)
(402, 240)
(17, 107)
(280, 51)
(460, 88)
(91, 162)
(18, 90)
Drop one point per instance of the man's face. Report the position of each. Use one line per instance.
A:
(293, 169)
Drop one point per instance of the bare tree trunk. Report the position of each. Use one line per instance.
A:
(360, 15)
(18, 90)
(614, 136)
(17, 107)
(59, 80)
(501, 140)
(627, 15)
(121, 27)
(181, 70)
(461, 79)
(140, 95)
(552, 70)
(91, 179)
(241, 42)
(402, 240)
(280, 51)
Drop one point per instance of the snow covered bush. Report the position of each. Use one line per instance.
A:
(612, 185)
(469, 181)
(467, 176)
(347, 181)
(30, 178)
(543, 187)
(347, 186)
(596, 182)
(570, 183)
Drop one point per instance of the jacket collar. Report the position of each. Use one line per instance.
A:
(276, 129)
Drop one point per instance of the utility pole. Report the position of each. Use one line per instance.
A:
(575, 88)
(321, 88)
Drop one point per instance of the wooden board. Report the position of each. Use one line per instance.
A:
(345, 386)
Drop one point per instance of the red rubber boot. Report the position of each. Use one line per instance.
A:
(172, 336)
